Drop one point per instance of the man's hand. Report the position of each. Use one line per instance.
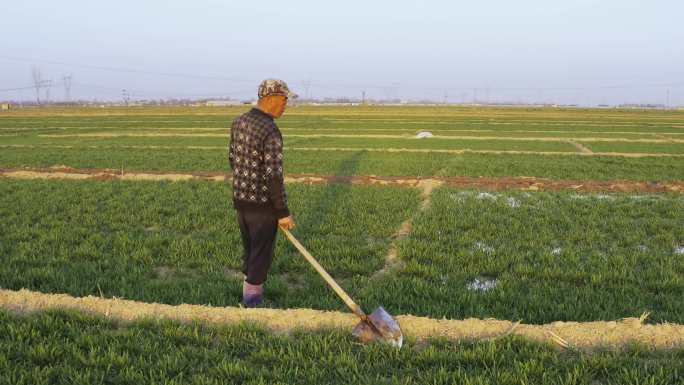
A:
(286, 223)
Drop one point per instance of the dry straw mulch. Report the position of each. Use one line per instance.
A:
(574, 335)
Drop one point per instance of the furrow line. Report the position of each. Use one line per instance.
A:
(426, 184)
(369, 149)
(392, 261)
(368, 136)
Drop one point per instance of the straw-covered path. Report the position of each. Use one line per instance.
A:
(586, 336)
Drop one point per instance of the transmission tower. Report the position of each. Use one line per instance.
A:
(391, 92)
(48, 85)
(125, 96)
(37, 76)
(66, 79)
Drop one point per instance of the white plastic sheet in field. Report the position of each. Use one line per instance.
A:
(480, 246)
(424, 134)
(482, 284)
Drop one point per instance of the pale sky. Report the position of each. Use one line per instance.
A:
(580, 51)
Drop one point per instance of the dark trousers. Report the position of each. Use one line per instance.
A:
(258, 229)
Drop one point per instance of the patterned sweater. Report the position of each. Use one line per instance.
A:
(255, 154)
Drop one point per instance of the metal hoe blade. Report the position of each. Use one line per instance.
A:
(379, 326)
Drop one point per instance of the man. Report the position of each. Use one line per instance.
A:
(256, 158)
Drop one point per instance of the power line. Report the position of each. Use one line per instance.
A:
(309, 84)
(122, 69)
(16, 89)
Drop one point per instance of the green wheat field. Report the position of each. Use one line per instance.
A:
(536, 256)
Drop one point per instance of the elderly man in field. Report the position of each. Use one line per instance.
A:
(256, 158)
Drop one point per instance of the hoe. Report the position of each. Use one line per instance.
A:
(379, 326)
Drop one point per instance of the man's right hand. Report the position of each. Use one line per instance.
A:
(286, 223)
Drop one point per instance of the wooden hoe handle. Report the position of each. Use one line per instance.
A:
(328, 279)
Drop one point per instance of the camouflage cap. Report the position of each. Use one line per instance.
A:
(275, 87)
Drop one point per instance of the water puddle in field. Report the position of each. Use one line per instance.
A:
(482, 284)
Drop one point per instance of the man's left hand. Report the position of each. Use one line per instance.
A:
(286, 223)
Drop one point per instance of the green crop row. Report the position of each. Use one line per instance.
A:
(69, 348)
(539, 257)
(574, 167)
(369, 118)
(547, 256)
(473, 132)
(179, 242)
(377, 143)
(185, 138)
(661, 148)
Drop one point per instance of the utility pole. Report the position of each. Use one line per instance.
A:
(67, 87)
(667, 99)
(363, 97)
(446, 97)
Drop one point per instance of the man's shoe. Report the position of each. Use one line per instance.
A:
(253, 301)
(252, 295)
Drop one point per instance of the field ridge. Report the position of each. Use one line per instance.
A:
(484, 183)
(586, 336)
(372, 149)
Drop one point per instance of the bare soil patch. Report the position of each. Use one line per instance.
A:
(585, 336)
(131, 134)
(425, 184)
(371, 136)
(542, 184)
(356, 149)
(580, 147)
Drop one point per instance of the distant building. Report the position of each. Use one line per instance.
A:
(4, 106)
(223, 103)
